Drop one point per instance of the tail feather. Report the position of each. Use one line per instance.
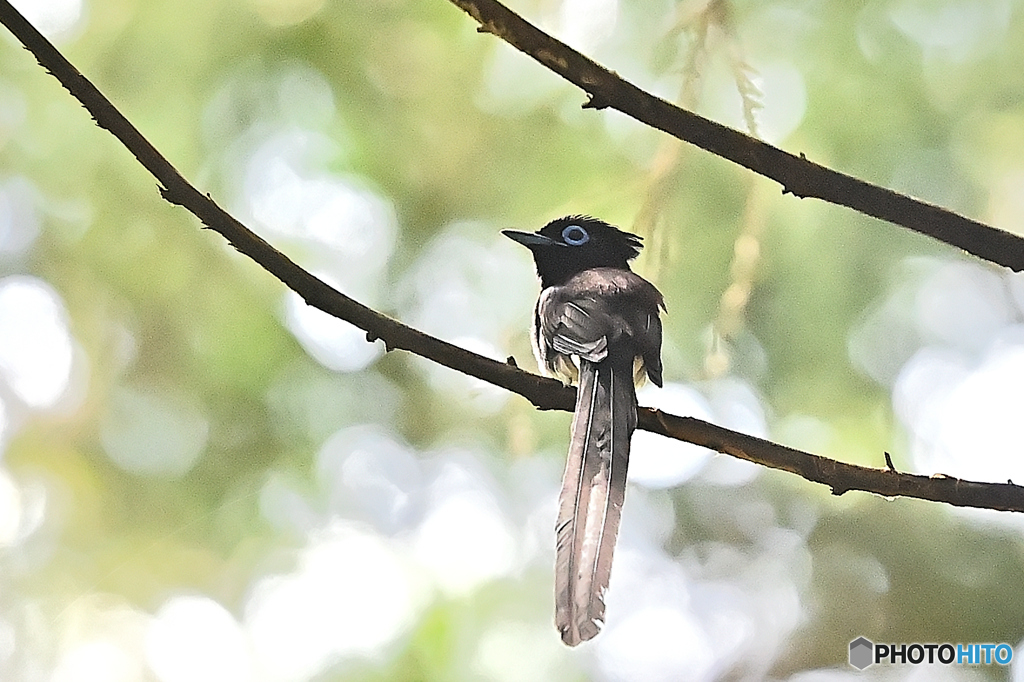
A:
(593, 489)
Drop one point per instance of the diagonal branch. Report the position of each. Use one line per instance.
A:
(796, 174)
(546, 394)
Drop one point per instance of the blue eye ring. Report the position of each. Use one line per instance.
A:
(574, 235)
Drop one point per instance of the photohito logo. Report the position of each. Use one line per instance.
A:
(864, 652)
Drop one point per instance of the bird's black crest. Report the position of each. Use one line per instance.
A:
(574, 243)
(633, 242)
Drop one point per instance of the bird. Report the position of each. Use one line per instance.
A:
(597, 323)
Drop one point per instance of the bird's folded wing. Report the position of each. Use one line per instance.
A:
(576, 326)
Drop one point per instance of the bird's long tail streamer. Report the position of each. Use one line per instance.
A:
(593, 490)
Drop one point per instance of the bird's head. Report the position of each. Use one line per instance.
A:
(570, 245)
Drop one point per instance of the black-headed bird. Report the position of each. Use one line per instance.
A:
(599, 322)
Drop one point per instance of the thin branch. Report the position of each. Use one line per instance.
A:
(839, 476)
(546, 394)
(796, 174)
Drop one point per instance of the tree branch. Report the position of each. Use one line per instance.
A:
(546, 394)
(796, 174)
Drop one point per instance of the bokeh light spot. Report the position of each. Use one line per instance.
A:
(153, 433)
(978, 432)
(35, 345)
(351, 595)
(464, 540)
(520, 652)
(334, 343)
(372, 476)
(659, 462)
(97, 661)
(195, 639)
(55, 19)
(655, 644)
(957, 28)
(19, 219)
(10, 509)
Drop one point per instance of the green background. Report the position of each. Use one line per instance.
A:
(202, 453)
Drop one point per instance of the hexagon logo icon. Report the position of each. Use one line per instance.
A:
(861, 653)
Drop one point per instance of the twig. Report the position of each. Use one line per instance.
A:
(888, 462)
(796, 174)
(546, 394)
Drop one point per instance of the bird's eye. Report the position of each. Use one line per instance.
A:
(574, 235)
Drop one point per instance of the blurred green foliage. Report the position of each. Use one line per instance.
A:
(450, 126)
